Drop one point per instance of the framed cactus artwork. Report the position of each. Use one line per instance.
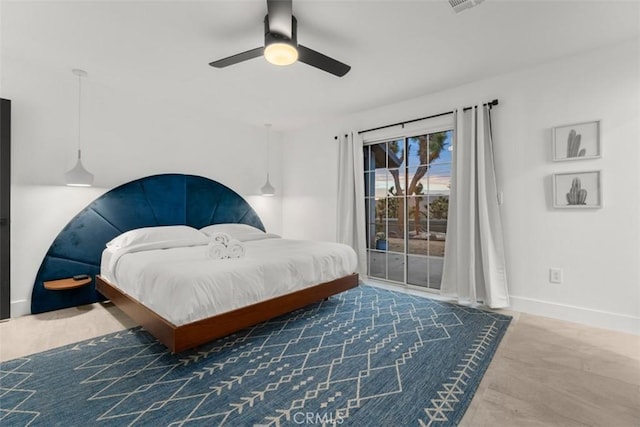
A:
(579, 141)
(577, 190)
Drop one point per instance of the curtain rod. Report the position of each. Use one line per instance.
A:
(489, 104)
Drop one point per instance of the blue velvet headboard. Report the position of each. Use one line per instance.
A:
(169, 199)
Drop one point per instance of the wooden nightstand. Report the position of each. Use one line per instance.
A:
(64, 284)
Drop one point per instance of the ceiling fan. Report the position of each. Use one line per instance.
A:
(281, 43)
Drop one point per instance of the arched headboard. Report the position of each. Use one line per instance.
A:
(168, 199)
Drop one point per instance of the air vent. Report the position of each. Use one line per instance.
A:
(460, 5)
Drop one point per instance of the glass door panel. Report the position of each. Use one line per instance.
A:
(378, 264)
(407, 184)
(418, 270)
(395, 267)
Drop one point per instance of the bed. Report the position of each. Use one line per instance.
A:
(176, 290)
(168, 200)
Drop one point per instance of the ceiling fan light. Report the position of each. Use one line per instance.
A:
(281, 53)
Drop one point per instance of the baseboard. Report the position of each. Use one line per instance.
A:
(571, 313)
(20, 308)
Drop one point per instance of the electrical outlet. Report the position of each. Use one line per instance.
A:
(555, 275)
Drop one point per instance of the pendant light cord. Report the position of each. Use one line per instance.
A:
(79, 111)
(268, 126)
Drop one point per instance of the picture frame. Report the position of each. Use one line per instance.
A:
(578, 141)
(577, 190)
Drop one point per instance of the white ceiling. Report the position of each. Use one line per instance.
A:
(397, 49)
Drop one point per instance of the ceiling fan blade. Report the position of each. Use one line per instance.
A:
(234, 59)
(318, 60)
(280, 13)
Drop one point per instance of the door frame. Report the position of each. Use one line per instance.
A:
(5, 209)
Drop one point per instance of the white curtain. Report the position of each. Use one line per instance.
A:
(474, 261)
(351, 219)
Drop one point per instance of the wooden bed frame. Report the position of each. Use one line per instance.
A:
(184, 337)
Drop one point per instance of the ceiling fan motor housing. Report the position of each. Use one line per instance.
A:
(271, 37)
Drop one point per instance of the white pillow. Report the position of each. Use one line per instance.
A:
(233, 230)
(158, 234)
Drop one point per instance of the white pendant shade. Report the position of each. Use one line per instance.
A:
(268, 189)
(79, 176)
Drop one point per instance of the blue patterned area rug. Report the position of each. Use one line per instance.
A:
(367, 357)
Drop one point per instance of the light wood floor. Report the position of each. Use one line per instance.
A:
(546, 372)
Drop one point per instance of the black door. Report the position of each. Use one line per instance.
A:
(5, 209)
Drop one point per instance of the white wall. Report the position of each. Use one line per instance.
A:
(599, 250)
(125, 137)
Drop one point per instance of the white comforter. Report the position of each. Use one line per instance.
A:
(183, 285)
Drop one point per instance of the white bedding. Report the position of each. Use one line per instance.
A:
(183, 285)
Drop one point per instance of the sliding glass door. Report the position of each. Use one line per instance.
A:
(407, 182)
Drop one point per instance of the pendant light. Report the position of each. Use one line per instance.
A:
(79, 176)
(268, 189)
